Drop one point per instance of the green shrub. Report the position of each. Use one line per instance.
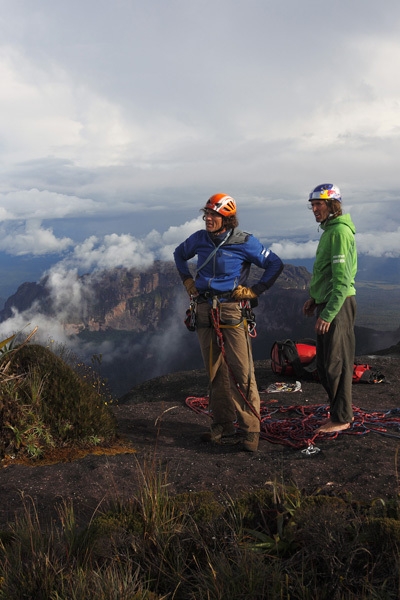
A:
(45, 402)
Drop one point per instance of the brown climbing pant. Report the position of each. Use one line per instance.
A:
(226, 403)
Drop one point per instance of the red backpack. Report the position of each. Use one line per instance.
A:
(295, 358)
(365, 374)
(299, 359)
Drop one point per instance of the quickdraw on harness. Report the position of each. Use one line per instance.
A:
(218, 326)
(190, 319)
(249, 317)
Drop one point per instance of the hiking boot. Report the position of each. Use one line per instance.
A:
(220, 434)
(250, 441)
(230, 440)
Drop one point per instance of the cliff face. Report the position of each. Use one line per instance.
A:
(120, 299)
(130, 300)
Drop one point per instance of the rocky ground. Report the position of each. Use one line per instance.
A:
(160, 431)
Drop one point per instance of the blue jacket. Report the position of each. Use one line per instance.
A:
(230, 265)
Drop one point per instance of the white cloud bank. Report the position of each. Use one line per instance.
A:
(100, 123)
(125, 250)
(385, 245)
(43, 204)
(32, 239)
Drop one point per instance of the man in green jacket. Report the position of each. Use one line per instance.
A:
(332, 298)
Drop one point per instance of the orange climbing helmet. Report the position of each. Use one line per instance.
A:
(222, 204)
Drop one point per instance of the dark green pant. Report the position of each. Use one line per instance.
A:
(335, 361)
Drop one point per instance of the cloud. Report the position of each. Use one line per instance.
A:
(175, 235)
(124, 250)
(32, 239)
(113, 251)
(287, 249)
(45, 113)
(379, 244)
(48, 327)
(43, 204)
(70, 293)
(102, 125)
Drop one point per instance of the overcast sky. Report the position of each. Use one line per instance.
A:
(119, 118)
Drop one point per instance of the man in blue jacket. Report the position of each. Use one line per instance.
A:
(219, 287)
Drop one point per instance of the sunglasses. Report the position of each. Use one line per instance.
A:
(211, 213)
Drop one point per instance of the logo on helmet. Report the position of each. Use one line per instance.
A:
(325, 191)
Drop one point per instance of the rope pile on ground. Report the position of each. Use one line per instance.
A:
(296, 426)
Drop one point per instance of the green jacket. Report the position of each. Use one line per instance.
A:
(335, 266)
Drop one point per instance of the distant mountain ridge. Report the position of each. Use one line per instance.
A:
(127, 299)
(133, 300)
(137, 316)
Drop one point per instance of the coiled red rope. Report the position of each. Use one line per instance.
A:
(296, 426)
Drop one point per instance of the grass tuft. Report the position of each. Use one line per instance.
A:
(45, 403)
(274, 543)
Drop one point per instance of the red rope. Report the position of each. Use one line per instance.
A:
(296, 426)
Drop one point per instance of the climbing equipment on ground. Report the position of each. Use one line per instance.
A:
(297, 426)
